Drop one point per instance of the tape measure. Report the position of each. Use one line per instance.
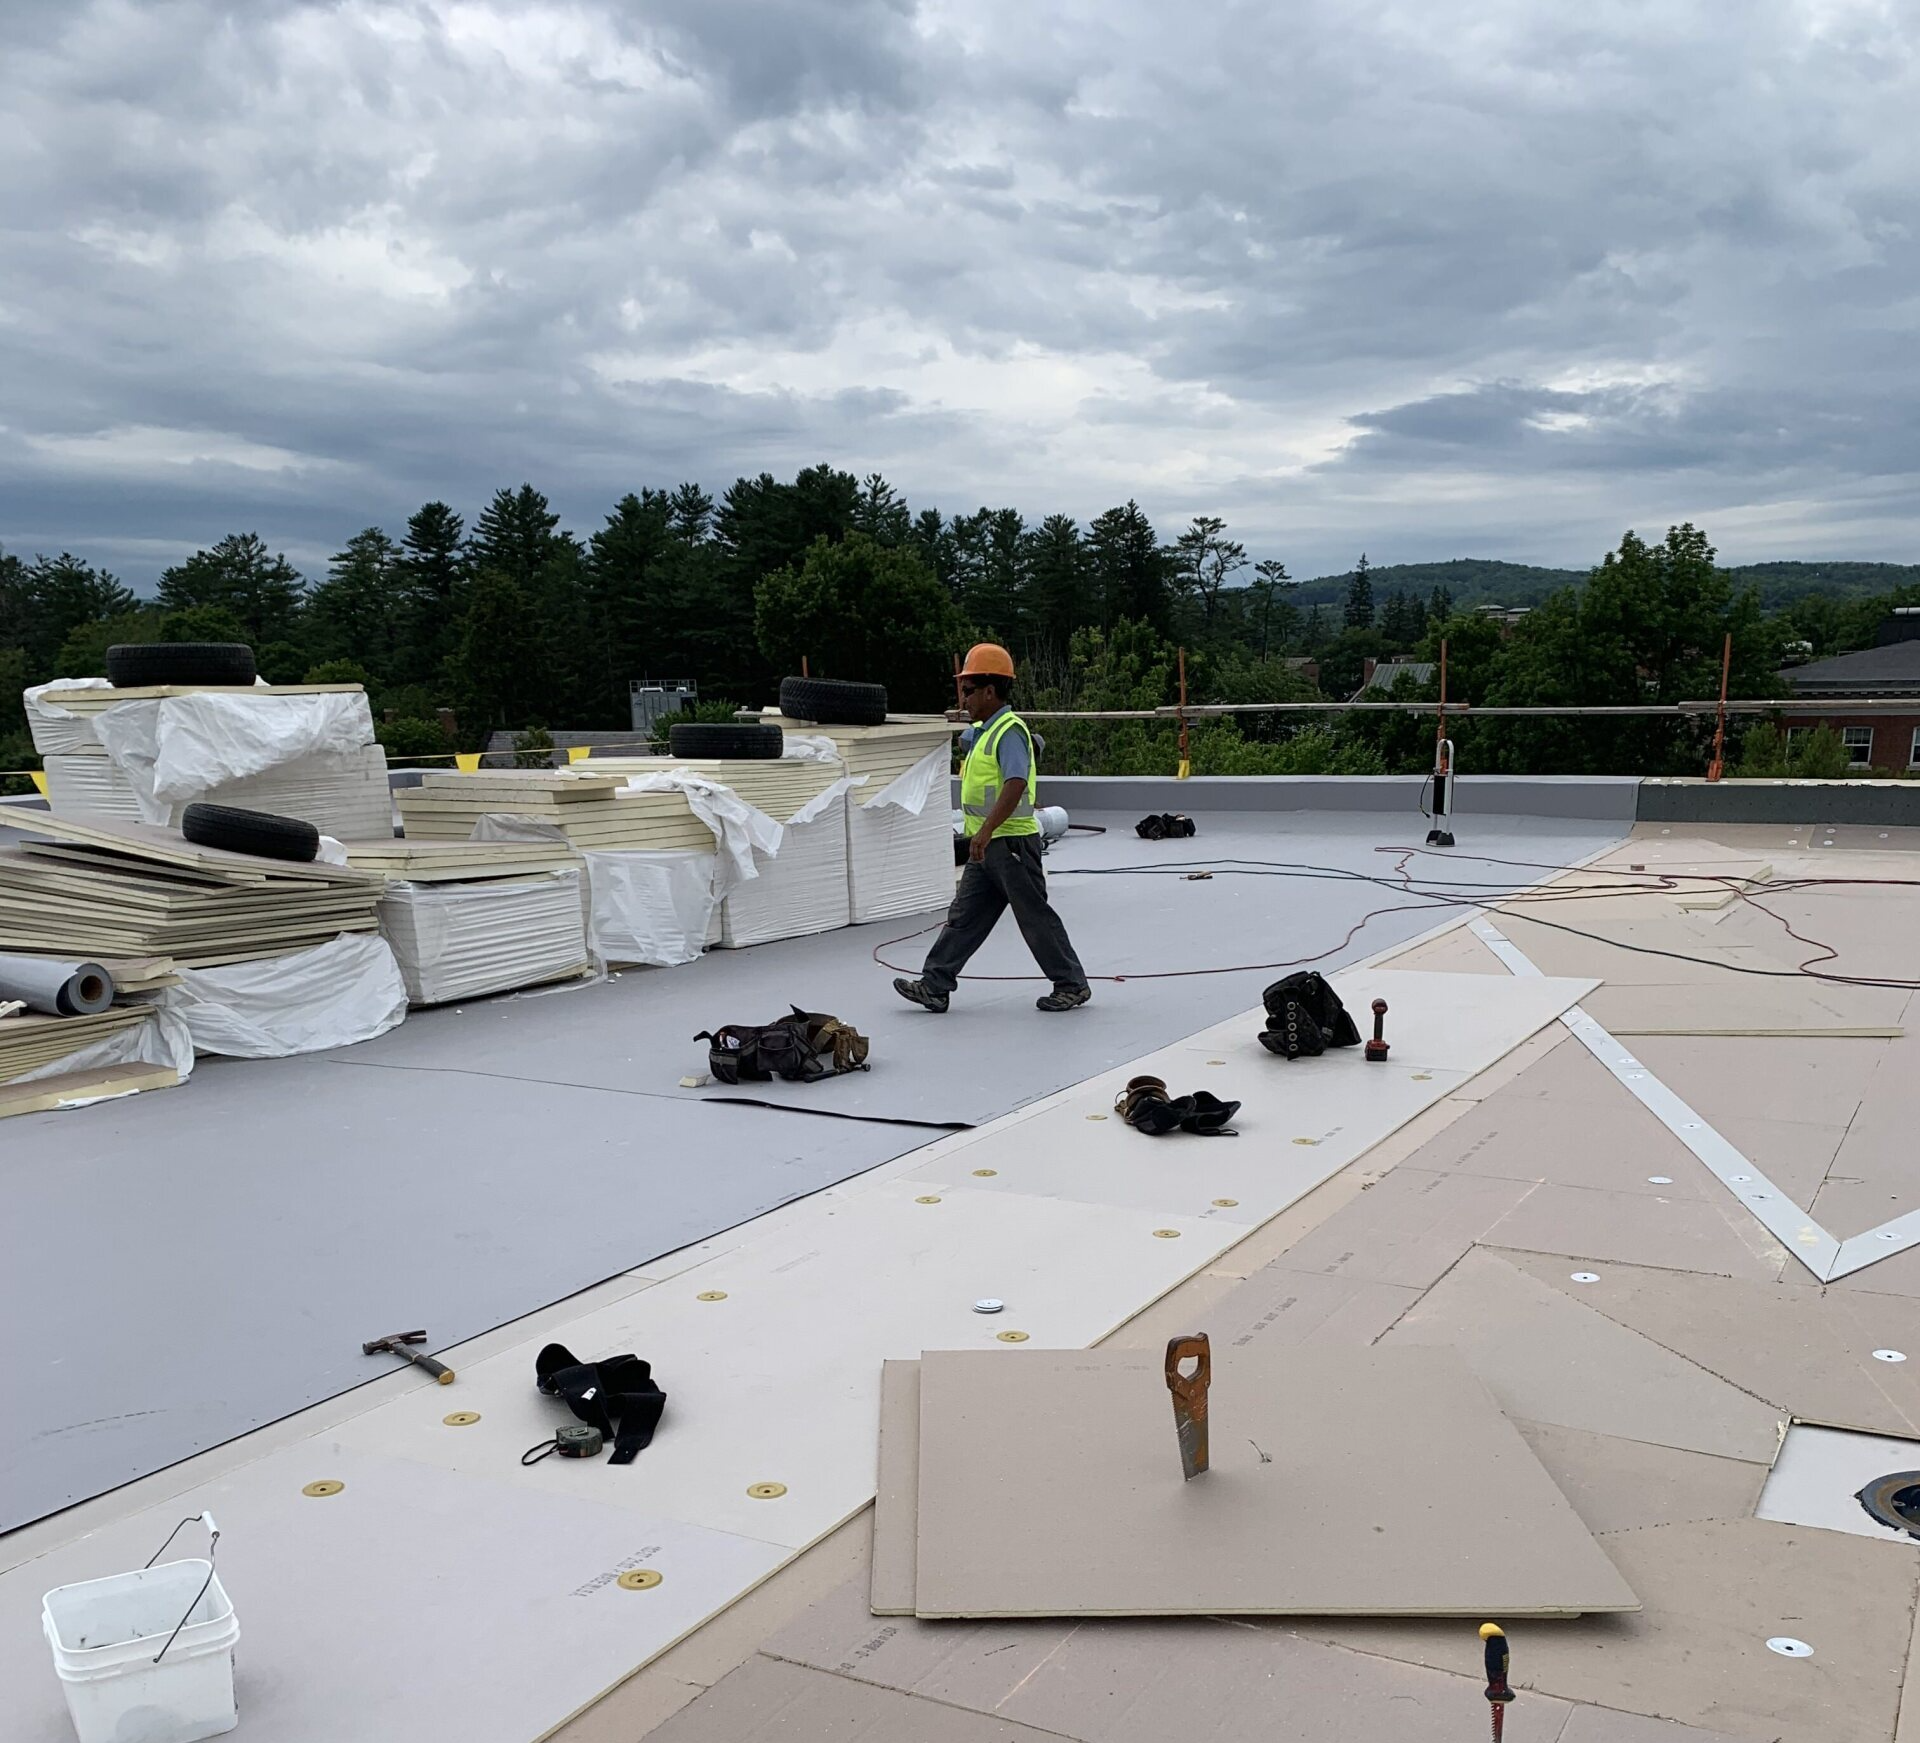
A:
(578, 1440)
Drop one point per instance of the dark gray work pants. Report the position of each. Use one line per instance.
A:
(1010, 876)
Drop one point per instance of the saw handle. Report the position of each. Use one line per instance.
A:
(1190, 1389)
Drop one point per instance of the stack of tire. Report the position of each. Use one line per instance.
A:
(215, 665)
(819, 701)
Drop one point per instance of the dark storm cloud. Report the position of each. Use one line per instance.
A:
(1424, 278)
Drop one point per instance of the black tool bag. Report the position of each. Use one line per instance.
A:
(617, 1396)
(1164, 826)
(1305, 1017)
(801, 1048)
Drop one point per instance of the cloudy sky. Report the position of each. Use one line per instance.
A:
(1429, 277)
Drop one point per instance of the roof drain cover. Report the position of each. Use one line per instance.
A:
(1894, 1500)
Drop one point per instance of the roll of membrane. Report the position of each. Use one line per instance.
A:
(54, 986)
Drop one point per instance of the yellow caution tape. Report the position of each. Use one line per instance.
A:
(39, 780)
(466, 761)
(1186, 769)
(577, 751)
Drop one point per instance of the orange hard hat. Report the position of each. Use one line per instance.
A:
(987, 658)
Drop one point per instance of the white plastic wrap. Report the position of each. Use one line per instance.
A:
(332, 995)
(910, 791)
(804, 889)
(89, 786)
(463, 940)
(739, 829)
(55, 731)
(647, 906)
(811, 747)
(651, 907)
(174, 748)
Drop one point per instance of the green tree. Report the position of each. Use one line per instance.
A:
(514, 535)
(1129, 569)
(1359, 608)
(1275, 618)
(1059, 571)
(860, 610)
(53, 597)
(84, 653)
(1204, 560)
(359, 611)
(260, 590)
(497, 678)
(432, 577)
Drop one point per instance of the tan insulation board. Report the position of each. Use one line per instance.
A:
(95, 701)
(160, 845)
(462, 862)
(29, 1041)
(1344, 1482)
(76, 1088)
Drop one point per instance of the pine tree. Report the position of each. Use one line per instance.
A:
(1359, 612)
(514, 535)
(357, 613)
(259, 590)
(432, 577)
(1129, 569)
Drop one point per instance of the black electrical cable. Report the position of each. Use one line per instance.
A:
(1452, 894)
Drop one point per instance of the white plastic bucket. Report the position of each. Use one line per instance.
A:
(105, 1635)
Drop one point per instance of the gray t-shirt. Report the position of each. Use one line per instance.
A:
(1010, 753)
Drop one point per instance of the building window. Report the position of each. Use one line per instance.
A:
(1913, 756)
(1859, 743)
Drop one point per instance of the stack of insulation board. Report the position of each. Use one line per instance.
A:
(469, 918)
(342, 795)
(594, 812)
(93, 889)
(801, 889)
(898, 861)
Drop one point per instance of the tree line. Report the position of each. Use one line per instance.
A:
(511, 621)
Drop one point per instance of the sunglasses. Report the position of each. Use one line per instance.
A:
(967, 687)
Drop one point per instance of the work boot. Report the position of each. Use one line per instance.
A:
(1062, 998)
(919, 993)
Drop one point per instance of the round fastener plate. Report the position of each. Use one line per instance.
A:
(1011, 1337)
(1423, 1077)
(985, 1173)
(1096, 1116)
(1216, 1062)
(461, 1419)
(1740, 1179)
(326, 1486)
(1306, 1140)
(766, 1491)
(1888, 1235)
(930, 1198)
(988, 1304)
(1584, 1276)
(1166, 1234)
(1889, 1355)
(639, 1579)
(711, 1295)
(1226, 1203)
(1788, 1647)
(1659, 1179)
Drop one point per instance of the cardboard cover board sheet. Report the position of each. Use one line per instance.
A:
(1344, 1482)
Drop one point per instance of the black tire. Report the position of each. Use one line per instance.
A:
(833, 702)
(135, 665)
(257, 832)
(741, 743)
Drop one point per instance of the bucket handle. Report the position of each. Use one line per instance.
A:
(213, 1543)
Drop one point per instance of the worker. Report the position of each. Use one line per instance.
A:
(1003, 870)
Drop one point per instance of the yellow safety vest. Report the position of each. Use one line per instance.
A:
(980, 780)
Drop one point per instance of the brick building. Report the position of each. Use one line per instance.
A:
(1890, 742)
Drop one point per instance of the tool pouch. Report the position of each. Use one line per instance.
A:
(1164, 826)
(1305, 1017)
(801, 1048)
(1146, 1106)
(617, 1396)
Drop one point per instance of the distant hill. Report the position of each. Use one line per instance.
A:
(1483, 581)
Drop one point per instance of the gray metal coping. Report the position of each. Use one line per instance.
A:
(1608, 798)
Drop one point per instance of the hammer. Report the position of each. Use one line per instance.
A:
(397, 1343)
